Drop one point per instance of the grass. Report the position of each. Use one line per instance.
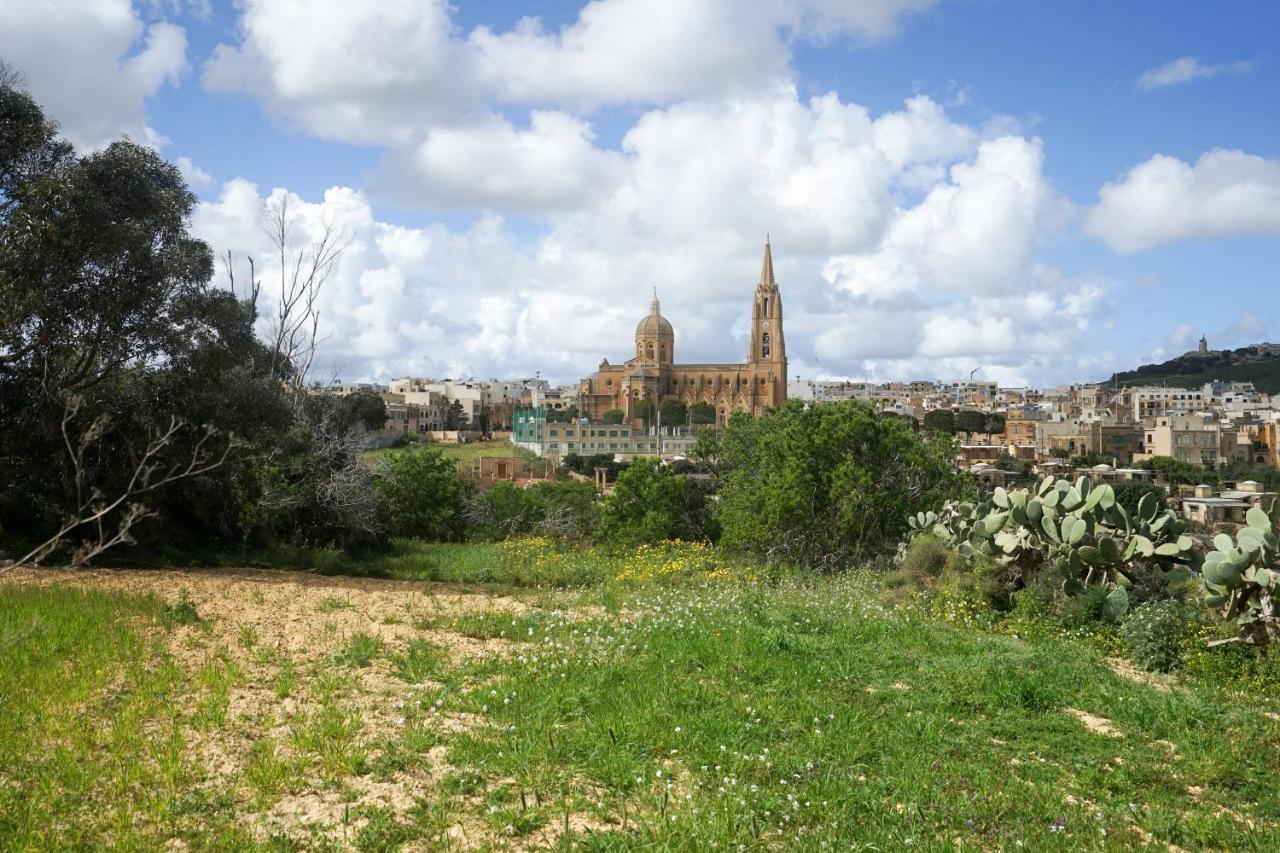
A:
(460, 452)
(670, 703)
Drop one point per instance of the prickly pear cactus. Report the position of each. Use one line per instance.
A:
(1242, 576)
(1075, 526)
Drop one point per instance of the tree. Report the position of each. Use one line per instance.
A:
(454, 416)
(970, 421)
(940, 420)
(994, 423)
(1059, 453)
(827, 484)
(702, 413)
(672, 412)
(614, 416)
(649, 503)
(422, 494)
(367, 409)
(643, 410)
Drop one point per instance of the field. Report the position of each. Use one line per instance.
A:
(663, 699)
(461, 452)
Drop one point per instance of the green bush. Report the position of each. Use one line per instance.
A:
(649, 503)
(922, 563)
(828, 484)
(1157, 633)
(569, 510)
(422, 494)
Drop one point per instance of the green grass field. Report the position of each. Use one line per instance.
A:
(462, 452)
(663, 700)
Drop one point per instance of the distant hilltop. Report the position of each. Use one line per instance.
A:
(1258, 363)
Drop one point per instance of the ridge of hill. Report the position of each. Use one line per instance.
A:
(1257, 363)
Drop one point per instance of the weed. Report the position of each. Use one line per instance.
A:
(331, 603)
(358, 652)
(182, 611)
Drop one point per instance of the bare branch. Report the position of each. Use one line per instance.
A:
(97, 512)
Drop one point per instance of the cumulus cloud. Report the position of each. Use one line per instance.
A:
(551, 165)
(361, 72)
(1166, 199)
(98, 90)
(1186, 69)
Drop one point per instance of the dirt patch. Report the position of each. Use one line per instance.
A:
(1095, 724)
(1126, 669)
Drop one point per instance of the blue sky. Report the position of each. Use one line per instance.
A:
(1047, 191)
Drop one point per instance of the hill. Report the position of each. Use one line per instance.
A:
(1259, 364)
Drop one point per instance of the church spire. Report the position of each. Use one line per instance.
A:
(654, 308)
(767, 281)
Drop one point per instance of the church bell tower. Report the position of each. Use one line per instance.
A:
(767, 343)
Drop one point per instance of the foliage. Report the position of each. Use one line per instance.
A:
(1059, 453)
(1130, 494)
(702, 413)
(1077, 528)
(562, 416)
(422, 494)
(565, 509)
(673, 412)
(970, 421)
(1157, 633)
(828, 483)
(1175, 472)
(454, 416)
(940, 420)
(649, 503)
(613, 416)
(644, 410)
(1242, 576)
(587, 465)
(366, 409)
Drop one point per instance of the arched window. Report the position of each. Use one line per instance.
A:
(649, 351)
(662, 352)
(765, 309)
(764, 345)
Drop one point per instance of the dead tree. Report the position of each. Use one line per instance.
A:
(295, 322)
(108, 519)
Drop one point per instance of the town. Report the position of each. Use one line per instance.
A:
(620, 425)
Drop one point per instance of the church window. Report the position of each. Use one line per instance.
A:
(662, 351)
(764, 349)
(766, 306)
(649, 351)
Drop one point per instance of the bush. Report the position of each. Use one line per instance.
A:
(828, 484)
(649, 503)
(569, 510)
(922, 563)
(422, 494)
(1157, 633)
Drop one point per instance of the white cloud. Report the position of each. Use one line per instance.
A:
(195, 177)
(873, 20)
(647, 51)
(92, 64)
(551, 165)
(1186, 69)
(1166, 199)
(362, 72)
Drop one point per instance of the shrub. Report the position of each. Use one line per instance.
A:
(829, 483)
(569, 510)
(922, 563)
(649, 503)
(1157, 633)
(422, 494)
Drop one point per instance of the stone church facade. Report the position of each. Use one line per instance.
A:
(652, 373)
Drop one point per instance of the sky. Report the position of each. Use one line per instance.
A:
(1043, 192)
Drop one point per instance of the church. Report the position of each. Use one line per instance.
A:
(652, 374)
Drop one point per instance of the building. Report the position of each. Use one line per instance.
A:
(532, 431)
(653, 375)
(1117, 441)
(1199, 439)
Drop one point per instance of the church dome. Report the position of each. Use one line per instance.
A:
(655, 325)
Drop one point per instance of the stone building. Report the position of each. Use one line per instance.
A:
(652, 373)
